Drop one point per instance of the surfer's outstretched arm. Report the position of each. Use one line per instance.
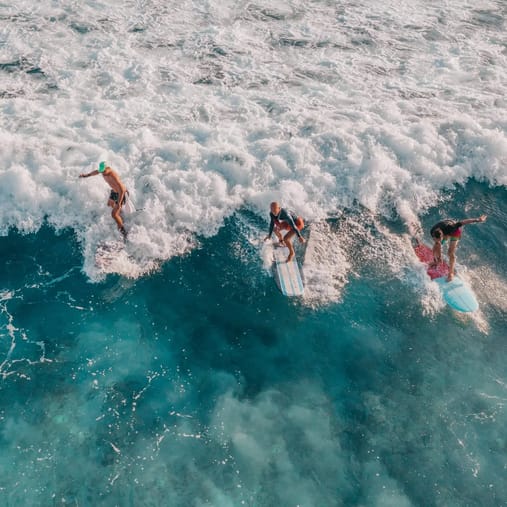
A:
(479, 220)
(87, 175)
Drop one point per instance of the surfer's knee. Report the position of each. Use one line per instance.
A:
(288, 237)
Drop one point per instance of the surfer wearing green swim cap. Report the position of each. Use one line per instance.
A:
(118, 194)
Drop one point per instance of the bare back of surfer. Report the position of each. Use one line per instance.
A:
(118, 194)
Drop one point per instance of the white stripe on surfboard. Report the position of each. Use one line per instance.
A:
(281, 277)
(280, 261)
(292, 275)
(286, 268)
(291, 283)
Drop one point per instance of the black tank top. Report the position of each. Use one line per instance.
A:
(446, 226)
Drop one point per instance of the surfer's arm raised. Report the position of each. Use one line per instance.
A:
(87, 175)
(479, 220)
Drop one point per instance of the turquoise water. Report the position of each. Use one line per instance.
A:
(200, 384)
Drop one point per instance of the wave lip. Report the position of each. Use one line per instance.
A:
(208, 111)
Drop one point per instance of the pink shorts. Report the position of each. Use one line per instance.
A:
(455, 235)
(284, 226)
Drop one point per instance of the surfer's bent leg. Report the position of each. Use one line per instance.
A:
(452, 258)
(116, 216)
(276, 230)
(288, 243)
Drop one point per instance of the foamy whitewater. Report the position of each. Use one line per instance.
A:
(176, 374)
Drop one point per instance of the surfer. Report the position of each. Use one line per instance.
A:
(283, 220)
(118, 195)
(449, 230)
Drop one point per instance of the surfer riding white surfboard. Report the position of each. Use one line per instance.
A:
(286, 267)
(118, 196)
(283, 220)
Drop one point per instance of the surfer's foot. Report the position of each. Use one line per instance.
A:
(123, 233)
(290, 257)
(450, 277)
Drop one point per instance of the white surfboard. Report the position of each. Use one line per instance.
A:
(129, 207)
(287, 274)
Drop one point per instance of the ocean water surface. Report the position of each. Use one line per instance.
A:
(176, 373)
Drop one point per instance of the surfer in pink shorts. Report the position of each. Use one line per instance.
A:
(449, 230)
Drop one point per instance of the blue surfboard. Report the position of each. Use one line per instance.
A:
(457, 294)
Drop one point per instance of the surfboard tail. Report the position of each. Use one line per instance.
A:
(287, 273)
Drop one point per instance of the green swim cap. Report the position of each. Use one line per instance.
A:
(102, 167)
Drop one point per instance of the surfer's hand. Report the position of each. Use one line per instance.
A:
(266, 238)
(482, 218)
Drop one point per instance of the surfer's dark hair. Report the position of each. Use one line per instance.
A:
(437, 233)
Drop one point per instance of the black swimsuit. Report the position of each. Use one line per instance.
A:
(448, 227)
(114, 196)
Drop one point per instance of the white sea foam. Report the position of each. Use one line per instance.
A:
(205, 109)
(326, 267)
(490, 286)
